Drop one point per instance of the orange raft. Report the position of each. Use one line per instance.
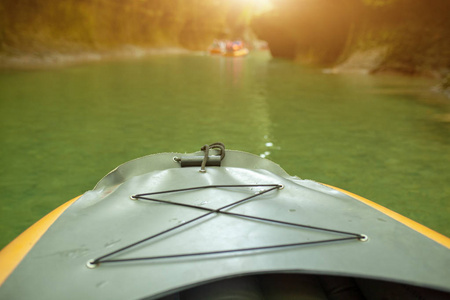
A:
(237, 53)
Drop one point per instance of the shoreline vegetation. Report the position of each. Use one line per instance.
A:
(403, 37)
(51, 59)
(41, 32)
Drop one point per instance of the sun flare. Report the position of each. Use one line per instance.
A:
(259, 6)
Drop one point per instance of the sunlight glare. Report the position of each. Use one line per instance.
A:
(259, 6)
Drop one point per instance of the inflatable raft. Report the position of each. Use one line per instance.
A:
(216, 51)
(221, 224)
(236, 53)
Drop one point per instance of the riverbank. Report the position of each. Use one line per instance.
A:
(373, 62)
(361, 62)
(401, 37)
(57, 59)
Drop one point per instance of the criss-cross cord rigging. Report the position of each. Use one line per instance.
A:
(103, 259)
(273, 187)
(227, 251)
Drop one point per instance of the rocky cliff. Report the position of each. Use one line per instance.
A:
(42, 28)
(406, 36)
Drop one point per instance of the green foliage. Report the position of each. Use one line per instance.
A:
(417, 33)
(71, 25)
(323, 32)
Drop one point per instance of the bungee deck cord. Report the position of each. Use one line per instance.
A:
(104, 259)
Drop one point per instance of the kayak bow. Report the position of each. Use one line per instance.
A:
(219, 222)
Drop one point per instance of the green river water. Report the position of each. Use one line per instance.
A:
(63, 129)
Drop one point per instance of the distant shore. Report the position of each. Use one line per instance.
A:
(362, 62)
(371, 62)
(57, 59)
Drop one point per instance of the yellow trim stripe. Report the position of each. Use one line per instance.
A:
(14, 252)
(435, 236)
